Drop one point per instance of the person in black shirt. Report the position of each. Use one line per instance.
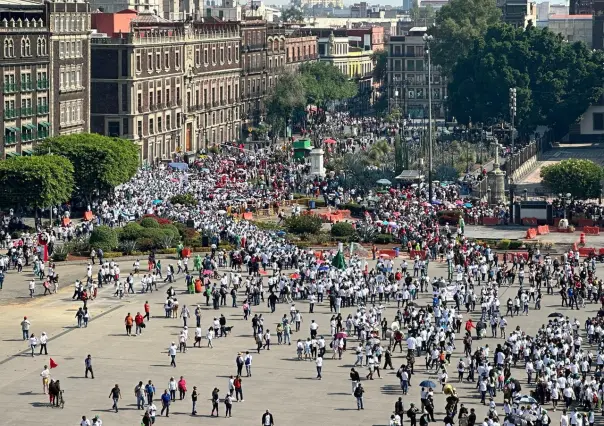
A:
(194, 401)
(115, 394)
(412, 414)
(472, 418)
(399, 408)
(355, 378)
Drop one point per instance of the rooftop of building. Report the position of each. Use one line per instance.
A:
(586, 17)
(13, 5)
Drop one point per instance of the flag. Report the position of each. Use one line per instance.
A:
(53, 364)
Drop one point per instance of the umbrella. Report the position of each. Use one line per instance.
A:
(341, 335)
(208, 272)
(428, 384)
(459, 202)
(324, 268)
(156, 202)
(525, 399)
(384, 182)
(295, 276)
(555, 315)
(330, 140)
(385, 256)
(468, 205)
(281, 233)
(437, 202)
(221, 211)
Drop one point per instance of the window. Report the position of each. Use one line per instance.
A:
(150, 61)
(74, 52)
(139, 67)
(222, 55)
(9, 49)
(158, 62)
(72, 80)
(205, 56)
(158, 97)
(62, 113)
(177, 58)
(197, 57)
(139, 127)
(25, 47)
(159, 124)
(167, 95)
(79, 49)
(598, 121)
(151, 129)
(167, 60)
(139, 102)
(61, 49)
(229, 56)
(151, 103)
(168, 122)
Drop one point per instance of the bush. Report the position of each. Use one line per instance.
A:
(113, 254)
(167, 251)
(267, 226)
(303, 224)
(131, 232)
(145, 244)
(170, 229)
(503, 244)
(60, 253)
(383, 239)
(342, 229)
(515, 245)
(104, 237)
(149, 222)
(187, 199)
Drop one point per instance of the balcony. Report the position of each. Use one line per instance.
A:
(42, 110)
(11, 113)
(26, 112)
(259, 46)
(27, 86)
(42, 85)
(9, 88)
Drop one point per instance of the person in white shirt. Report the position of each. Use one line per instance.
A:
(45, 374)
(96, 421)
(85, 421)
(319, 362)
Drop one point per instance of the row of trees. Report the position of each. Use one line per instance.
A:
(483, 58)
(317, 83)
(82, 165)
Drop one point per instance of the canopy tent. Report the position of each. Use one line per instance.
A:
(410, 176)
(179, 166)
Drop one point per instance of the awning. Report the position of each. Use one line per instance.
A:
(12, 129)
(27, 152)
(44, 124)
(12, 154)
(29, 126)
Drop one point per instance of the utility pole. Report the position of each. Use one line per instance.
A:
(427, 39)
(512, 115)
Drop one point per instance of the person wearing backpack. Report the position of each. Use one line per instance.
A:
(358, 393)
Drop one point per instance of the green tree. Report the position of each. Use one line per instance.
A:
(287, 96)
(104, 238)
(380, 66)
(304, 224)
(457, 25)
(37, 182)
(555, 81)
(580, 178)
(399, 160)
(325, 83)
(293, 14)
(100, 163)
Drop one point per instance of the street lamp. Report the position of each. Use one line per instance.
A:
(427, 39)
(512, 186)
(512, 115)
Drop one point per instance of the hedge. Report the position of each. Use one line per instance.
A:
(304, 224)
(104, 237)
(383, 239)
(342, 229)
(149, 222)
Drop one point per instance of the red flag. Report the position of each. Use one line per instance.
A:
(53, 364)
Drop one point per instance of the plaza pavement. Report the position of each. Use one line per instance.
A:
(280, 383)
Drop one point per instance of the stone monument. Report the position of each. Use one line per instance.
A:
(496, 181)
(316, 162)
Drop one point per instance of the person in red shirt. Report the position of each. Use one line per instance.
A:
(147, 311)
(138, 320)
(469, 326)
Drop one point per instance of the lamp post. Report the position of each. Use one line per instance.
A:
(427, 39)
(564, 201)
(512, 115)
(512, 186)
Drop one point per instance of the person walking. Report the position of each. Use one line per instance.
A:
(268, 419)
(182, 388)
(115, 394)
(238, 388)
(194, 396)
(25, 324)
(33, 342)
(128, 321)
(165, 403)
(45, 374)
(319, 362)
(139, 392)
(43, 342)
(358, 393)
(172, 388)
(139, 322)
(215, 401)
(149, 392)
(88, 364)
(172, 352)
(228, 402)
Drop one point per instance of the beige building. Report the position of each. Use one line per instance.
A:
(572, 27)
(408, 76)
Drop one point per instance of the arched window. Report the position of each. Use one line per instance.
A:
(27, 47)
(6, 48)
(39, 47)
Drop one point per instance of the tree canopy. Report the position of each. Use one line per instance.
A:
(100, 163)
(287, 95)
(293, 14)
(325, 83)
(555, 81)
(380, 68)
(580, 178)
(458, 23)
(37, 182)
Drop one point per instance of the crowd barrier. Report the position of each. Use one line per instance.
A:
(529, 221)
(585, 222)
(531, 233)
(389, 252)
(490, 221)
(591, 230)
(420, 253)
(586, 251)
(543, 230)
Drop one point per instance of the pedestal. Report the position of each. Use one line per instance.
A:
(316, 162)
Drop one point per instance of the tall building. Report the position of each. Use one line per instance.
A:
(172, 87)
(44, 66)
(70, 71)
(253, 70)
(572, 27)
(300, 47)
(113, 6)
(408, 77)
(518, 13)
(581, 7)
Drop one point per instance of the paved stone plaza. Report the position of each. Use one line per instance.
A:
(280, 383)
